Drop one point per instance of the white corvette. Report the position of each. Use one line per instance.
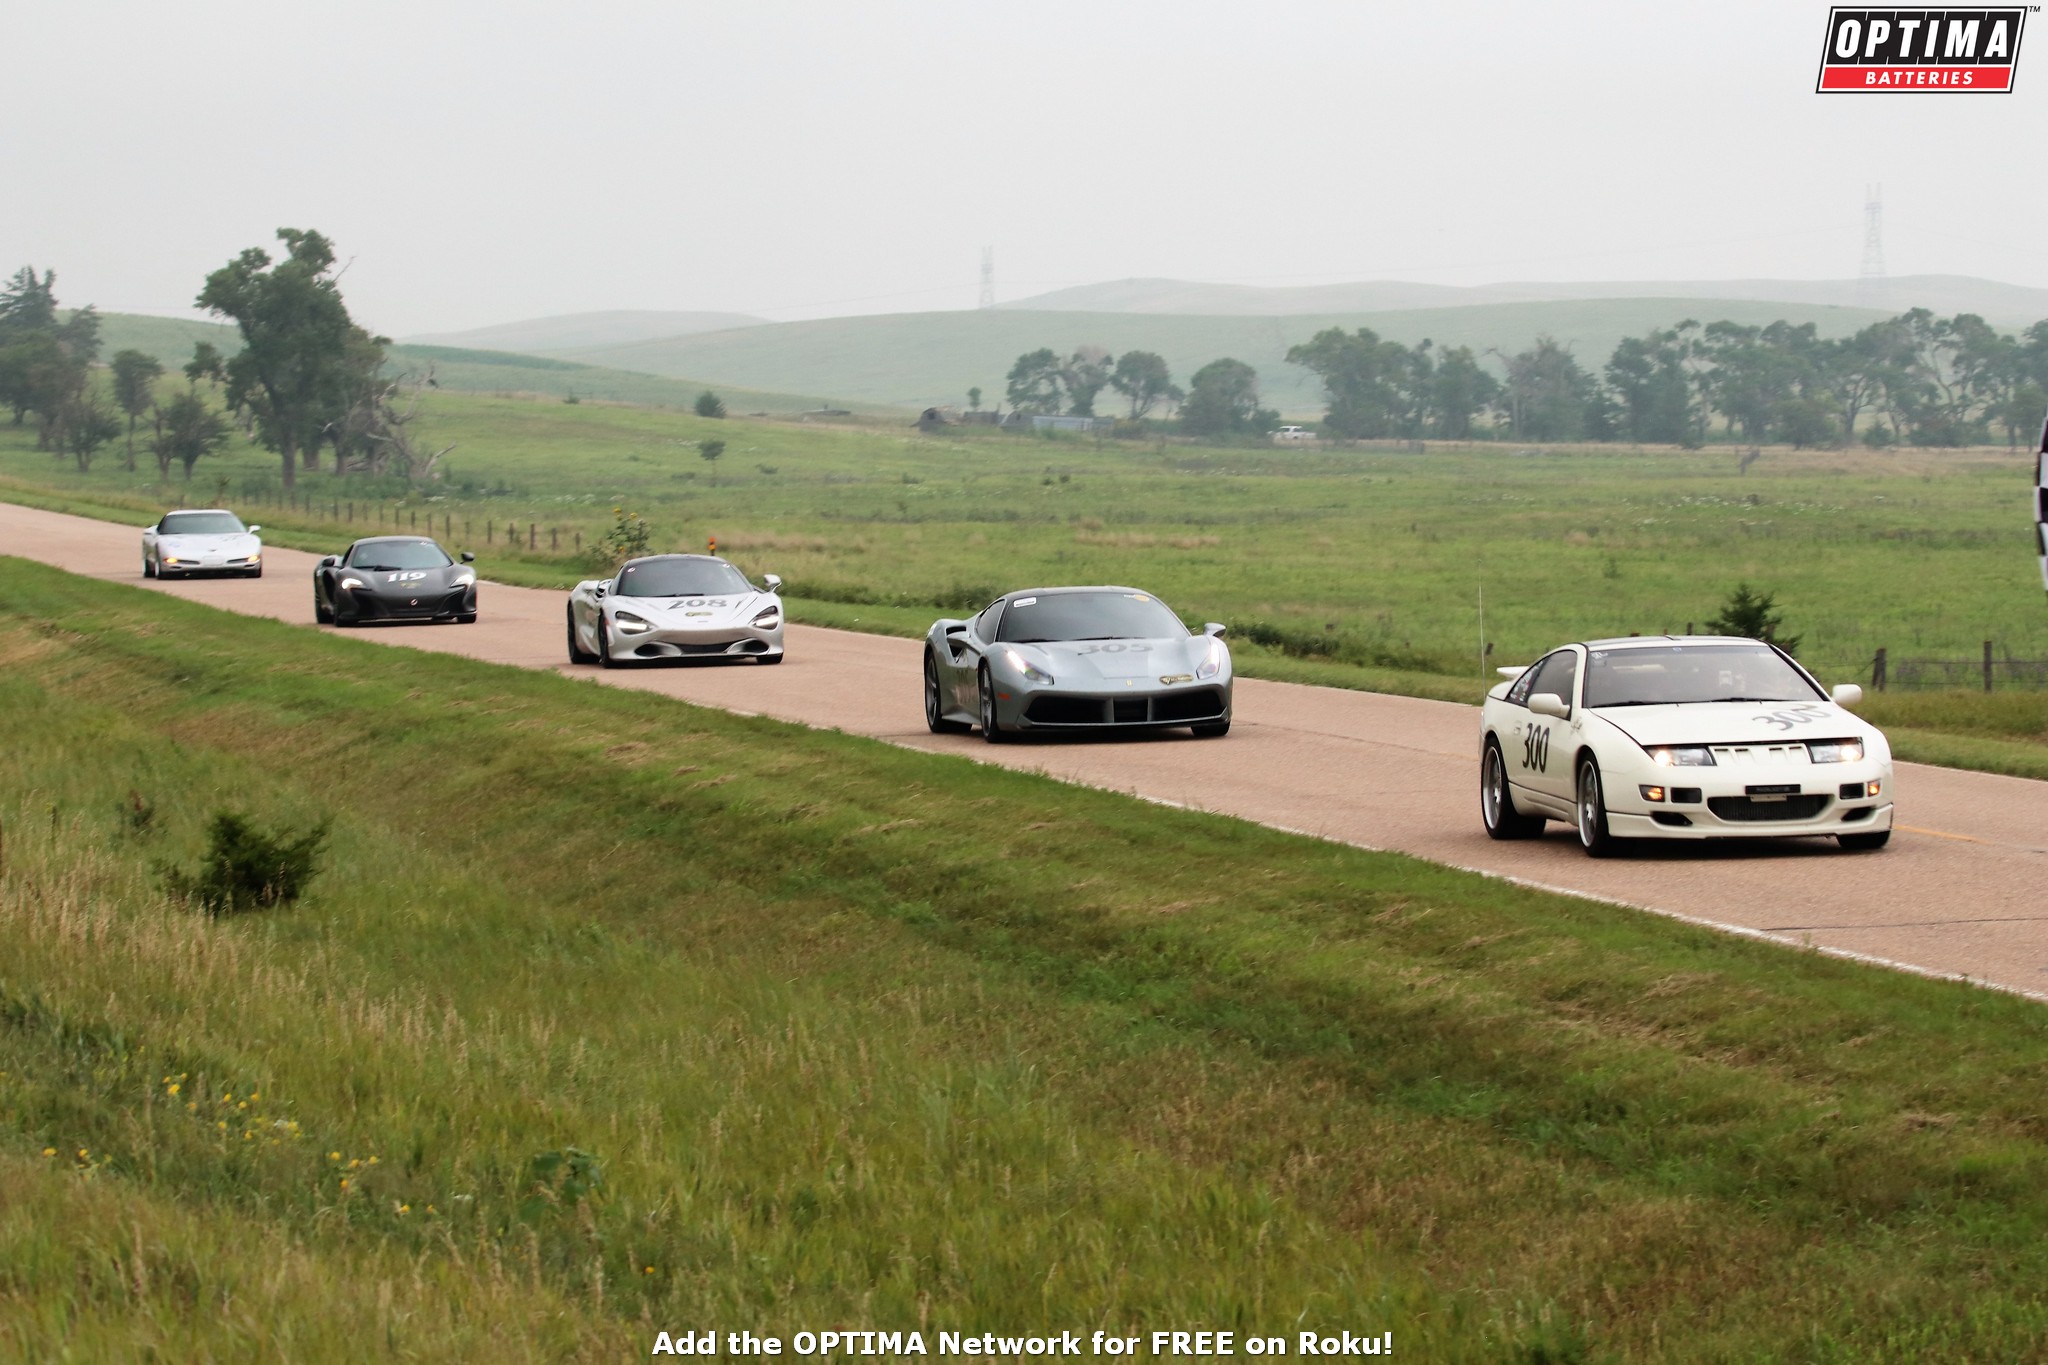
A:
(1680, 737)
(206, 540)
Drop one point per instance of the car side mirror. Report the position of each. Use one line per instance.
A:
(1215, 628)
(1846, 694)
(1549, 704)
(254, 529)
(468, 557)
(329, 561)
(599, 590)
(773, 580)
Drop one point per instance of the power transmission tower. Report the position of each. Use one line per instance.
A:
(988, 277)
(1870, 281)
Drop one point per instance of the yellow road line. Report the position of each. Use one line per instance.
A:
(1942, 834)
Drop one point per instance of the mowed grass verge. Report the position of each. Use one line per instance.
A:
(613, 1015)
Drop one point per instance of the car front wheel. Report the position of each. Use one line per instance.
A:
(1592, 811)
(991, 728)
(604, 645)
(1497, 800)
(577, 653)
(1869, 841)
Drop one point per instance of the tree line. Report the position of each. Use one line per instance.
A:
(307, 380)
(1915, 378)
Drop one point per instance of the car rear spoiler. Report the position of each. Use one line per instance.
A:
(1515, 672)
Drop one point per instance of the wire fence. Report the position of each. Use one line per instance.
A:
(1992, 671)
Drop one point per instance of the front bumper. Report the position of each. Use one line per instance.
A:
(1130, 709)
(188, 564)
(444, 605)
(1751, 801)
(674, 642)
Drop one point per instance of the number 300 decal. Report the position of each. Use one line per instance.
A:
(1536, 748)
(1794, 715)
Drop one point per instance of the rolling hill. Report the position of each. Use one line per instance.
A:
(569, 331)
(463, 369)
(917, 359)
(2009, 305)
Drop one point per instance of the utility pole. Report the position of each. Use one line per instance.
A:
(988, 277)
(1870, 281)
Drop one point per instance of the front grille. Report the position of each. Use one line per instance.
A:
(1205, 703)
(1749, 810)
(1130, 711)
(1058, 710)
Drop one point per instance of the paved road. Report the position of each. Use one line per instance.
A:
(1958, 892)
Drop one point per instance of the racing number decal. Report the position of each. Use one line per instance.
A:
(1115, 649)
(1794, 715)
(1536, 748)
(406, 577)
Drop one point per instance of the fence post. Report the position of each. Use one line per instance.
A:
(1987, 665)
(554, 539)
(1877, 671)
(532, 536)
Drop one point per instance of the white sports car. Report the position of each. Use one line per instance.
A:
(675, 607)
(201, 541)
(1680, 737)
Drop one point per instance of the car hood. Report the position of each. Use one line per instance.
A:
(725, 609)
(403, 582)
(1727, 722)
(233, 542)
(1080, 661)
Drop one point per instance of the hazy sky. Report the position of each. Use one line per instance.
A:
(480, 163)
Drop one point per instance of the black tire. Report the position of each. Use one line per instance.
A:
(991, 726)
(604, 644)
(1213, 730)
(1867, 842)
(935, 718)
(769, 658)
(148, 567)
(1592, 811)
(1497, 799)
(467, 618)
(321, 615)
(577, 653)
(256, 572)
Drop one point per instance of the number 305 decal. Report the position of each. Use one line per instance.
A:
(1115, 649)
(1794, 715)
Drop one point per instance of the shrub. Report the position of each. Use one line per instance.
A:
(710, 404)
(628, 538)
(1750, 614)
(247, 869)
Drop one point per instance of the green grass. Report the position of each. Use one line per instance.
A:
(917, 359)
(864, 1037)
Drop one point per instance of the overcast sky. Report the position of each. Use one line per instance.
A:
(480, 163)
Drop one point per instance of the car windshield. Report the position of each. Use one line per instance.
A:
(680, 577)
(200, 524)
(399, 554)
(1088, 616)
(1664, 675)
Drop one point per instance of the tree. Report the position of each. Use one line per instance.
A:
(1035, 382)
(1223, 399)
(87, 423)
(1142, 377)
(1547, 396)
(974, 399)
(135, 376)
(1363, 378)
(1652, 388)
(292, 377)
(1086, 373)
(187, 430)
(709, 452)
(1461, 388)
(710, 404)
(1750, 615)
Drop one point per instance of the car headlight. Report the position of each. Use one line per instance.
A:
(629, 624)
(769, 619)
(1026, 667)
(351, 583)
(463, 580)
(1212, 663)
(1682, 756)
(1835, 750)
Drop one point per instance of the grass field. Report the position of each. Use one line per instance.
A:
(1351, 568)
(609, 1015)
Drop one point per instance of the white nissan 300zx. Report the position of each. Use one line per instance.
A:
(1680, 737)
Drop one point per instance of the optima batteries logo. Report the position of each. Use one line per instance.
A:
(1947, 51)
